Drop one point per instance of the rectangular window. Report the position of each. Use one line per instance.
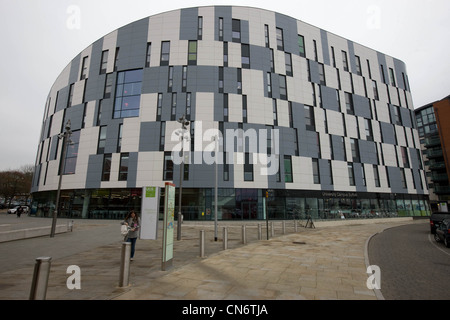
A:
(188, 106)
(351, 174)
(280, 40)
(403, 177)
(192, 53)
(266, 35)
(288, 63)
(170, 80)
(225, 54)
(269, 84)
(200, 28)
(301, 46)
(405, 157)
(128, 94)
(116, 59)
(316, 58)
(245, 56)
(119, 139)
(159, 107)
(72, 153)
(165, 53)
(288, 176)
(376, 176)
(368, 69)
(309, 118)
(99, 112)
(104, 63)
(70, 98)
(291, 120)
(363, 175)
(236, 30)
(162, 135)
(239, 81)
(333, 56)
(248, 168)
(108, 86)
(220, 29)
(345, 60)
(330, 167)
(283, 87)
(369, 131)
(375, 90)
(84, 68)
(355, 150)
(316, 171)
(184, 79)
(102, 140)
(168, 166)
(221, 84)
(123, 168)
(349, 103)
(244, 108)
(148, 54)
(83, 124)
(106, 169)
(392, 75)
(398, 118)
(173, 113)
(225, 107)
(358, 66)
(272, 61)
(275, 112)
(322, 74)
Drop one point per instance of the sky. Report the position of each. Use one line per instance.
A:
(39, 38)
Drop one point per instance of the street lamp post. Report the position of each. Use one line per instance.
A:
(64, 136)
(216, 138)
(184, 123)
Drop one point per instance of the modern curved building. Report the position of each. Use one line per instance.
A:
(325, 124)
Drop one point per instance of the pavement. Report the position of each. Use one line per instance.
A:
(328, 262)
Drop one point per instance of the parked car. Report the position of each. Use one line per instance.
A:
(14, 210)
(436, 219)
(443, 233)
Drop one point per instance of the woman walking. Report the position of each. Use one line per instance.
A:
(133, 222)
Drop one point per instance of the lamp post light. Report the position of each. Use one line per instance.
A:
(65, 138)
(184, 124)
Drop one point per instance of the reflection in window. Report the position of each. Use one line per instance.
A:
(72, 153)
(128, 94)
(106, 170)
(123, 169)
(168, 166)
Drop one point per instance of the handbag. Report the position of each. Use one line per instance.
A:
(124, 230)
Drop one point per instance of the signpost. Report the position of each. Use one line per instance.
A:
(169, 209)
(149, 216)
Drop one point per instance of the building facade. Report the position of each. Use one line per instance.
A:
(326, 124)
(435, 142)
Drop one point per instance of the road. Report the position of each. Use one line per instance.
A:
(413, 266)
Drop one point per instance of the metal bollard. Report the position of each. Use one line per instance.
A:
(272, 229)
(124, 277)
(259, 231)
(202, 243)
(284, 227)
(40, 278)
(225, 238)
(244, 235)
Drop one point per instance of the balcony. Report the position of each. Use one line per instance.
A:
(432, 142)
(436, 166)
(434, 153)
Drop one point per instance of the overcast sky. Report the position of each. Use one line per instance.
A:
(40, 37)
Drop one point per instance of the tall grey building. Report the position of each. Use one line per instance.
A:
(325, 124)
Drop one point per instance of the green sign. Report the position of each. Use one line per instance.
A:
(150, 192)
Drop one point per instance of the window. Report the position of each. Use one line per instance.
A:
(369, 131)
(192, 54)
(70, 98)
(368, 69)
(333, 56)
(322, 74)
(220, 79)
(351, 174)
(99, 112)
(330, 167)
(280, 40)
(266, 35)
(275, 112)
(168, 166)
(72, 153)
(383, 77)
(244, 108)
(119, 139)
(108, 86)
(403, 177)
(84, 67)
(128, 94)
(301, 46)
(283, 87)
(405, 157)
(83, 123)
(376, 176)
(248, 168)
(272, 61)
(363, 175)
(225, 107)
(116, 60)
(288, 63)
(173, 113)
(375, 90)
(392, 75)
(170, 80)
(316, 58)
(398, 118)
(344, 60)
(184, 79)
(220, 29)
(245, 56)
(188, 106)
(104, 63)
(148, 54)
(225, 54)
(309, 118)
(316, 172)
(200, 28)
(269, 84)
(358, 66)
(239, 81)
(106, 169)
(349, 103)
(102, 140)
(162, 135)
(288, 177)
(165, 53)
(236, 30)
(159, 107)
(355, 150)
(123, 168)
(291, 120)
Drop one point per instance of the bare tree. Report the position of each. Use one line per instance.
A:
(16, 183)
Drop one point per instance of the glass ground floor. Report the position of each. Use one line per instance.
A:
(234, 204)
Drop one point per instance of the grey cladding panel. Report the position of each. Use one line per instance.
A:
(189, 24)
